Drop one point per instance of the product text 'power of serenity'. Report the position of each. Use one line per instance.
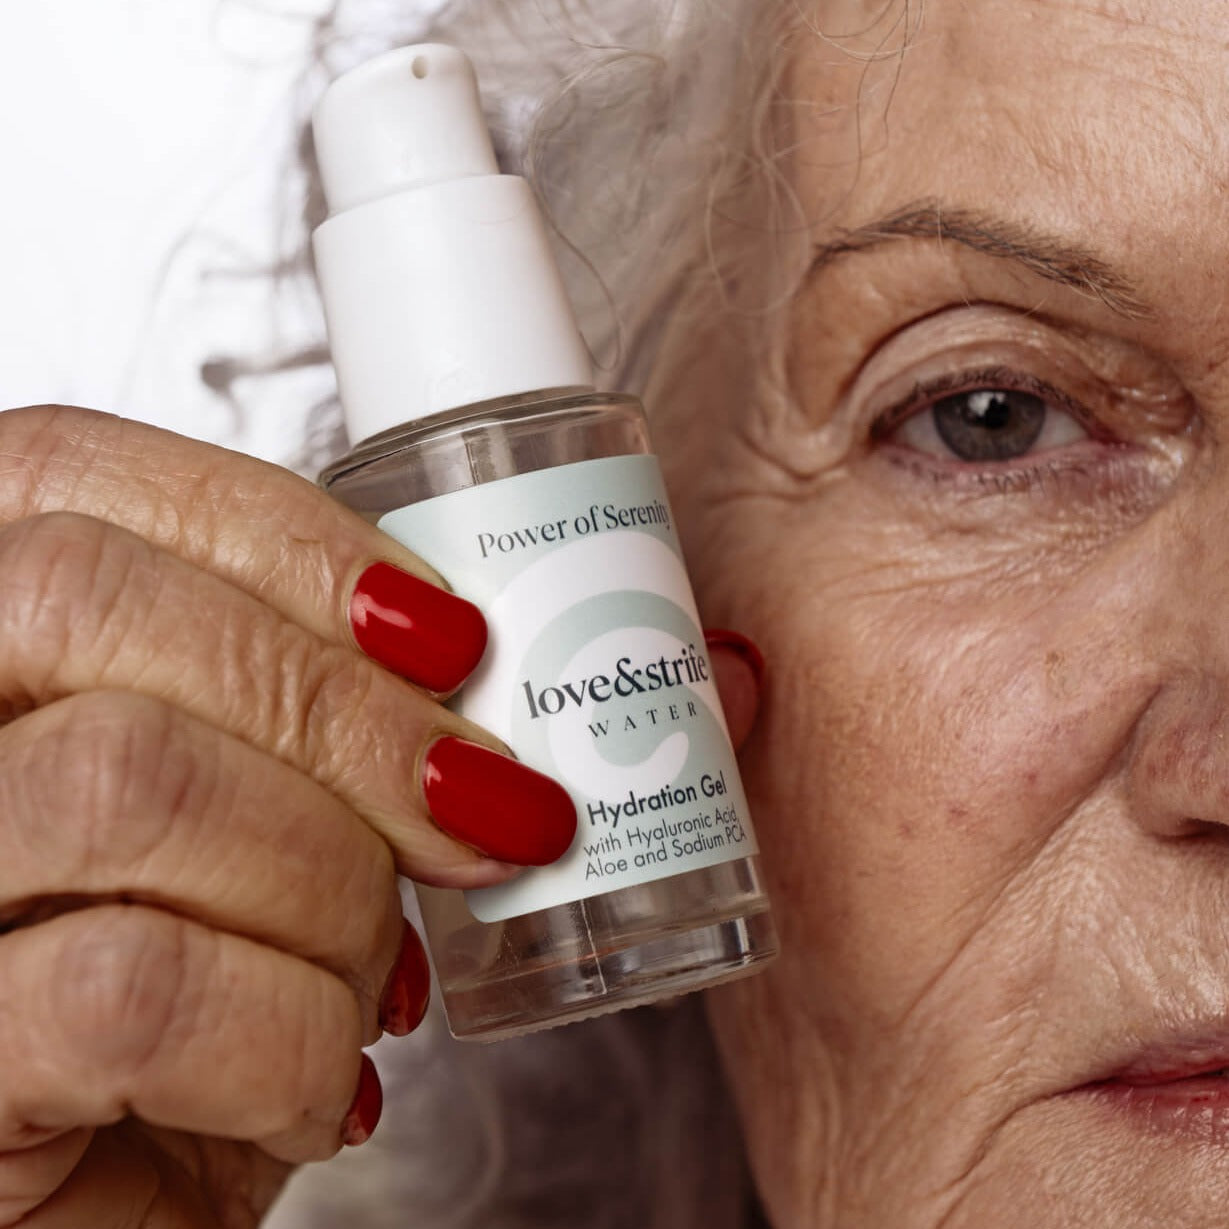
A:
(593, 520)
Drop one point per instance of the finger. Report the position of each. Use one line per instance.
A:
(29, 1175)
(86, 606)
(114, 794)
(738, 671)
(123, 1009)
(258, 526)
(122, 1182)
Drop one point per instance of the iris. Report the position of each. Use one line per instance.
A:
(996, 424)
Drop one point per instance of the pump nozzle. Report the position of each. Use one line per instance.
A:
(436, 272)
(406, 119)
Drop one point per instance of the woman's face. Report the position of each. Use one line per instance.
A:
(986, 553)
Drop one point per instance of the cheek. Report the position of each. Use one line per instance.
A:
(927, 727)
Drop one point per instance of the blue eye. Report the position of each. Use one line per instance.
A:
(988, 425)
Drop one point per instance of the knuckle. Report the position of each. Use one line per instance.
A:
(71, 457)
(102, 782)
(358, 733)
(372, 935)
(65, 574)
(315, 1047)
(120, 990)
(37, 443)
(324, 698)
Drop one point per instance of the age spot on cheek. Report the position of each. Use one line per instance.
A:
(1058, 678)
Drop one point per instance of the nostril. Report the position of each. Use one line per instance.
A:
(1192, 827)
(1177, 761)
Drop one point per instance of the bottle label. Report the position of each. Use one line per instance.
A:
(596, 672)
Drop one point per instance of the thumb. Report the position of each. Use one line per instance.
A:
(738, 671)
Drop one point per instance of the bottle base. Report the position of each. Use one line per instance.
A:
(666, 965)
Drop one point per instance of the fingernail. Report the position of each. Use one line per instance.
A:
(417, 630)
(368, 1104)
(408, 989)
(495, 804)
(723, 638)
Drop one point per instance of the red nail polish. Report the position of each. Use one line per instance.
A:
(499, 806)
(417, 630)
(368, 1105)
(408, 989)
(723, 638)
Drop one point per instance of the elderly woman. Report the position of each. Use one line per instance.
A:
(928, 306)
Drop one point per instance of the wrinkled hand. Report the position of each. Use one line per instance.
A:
(205, 793)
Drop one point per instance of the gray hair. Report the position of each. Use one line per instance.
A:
(646, 127)
(653, 132)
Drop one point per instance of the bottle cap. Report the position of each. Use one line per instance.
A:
(439, 284)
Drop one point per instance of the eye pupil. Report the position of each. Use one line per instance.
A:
(987, 408)
(990, 424)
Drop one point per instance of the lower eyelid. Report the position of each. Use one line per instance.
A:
(1065, 477)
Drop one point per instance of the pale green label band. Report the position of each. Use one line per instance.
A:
(596, 673)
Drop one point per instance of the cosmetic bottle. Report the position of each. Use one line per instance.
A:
(485, 449)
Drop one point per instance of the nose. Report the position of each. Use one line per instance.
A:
(1178, 759)
(1178, 767)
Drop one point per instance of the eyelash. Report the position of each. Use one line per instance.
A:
(924, 395)
(1023, 475)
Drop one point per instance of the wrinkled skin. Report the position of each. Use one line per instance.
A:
(990, 773)
(205, 793)
(992, 769)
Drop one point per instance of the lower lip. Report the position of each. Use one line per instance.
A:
(1197, 1106)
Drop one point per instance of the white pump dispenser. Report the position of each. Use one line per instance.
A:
(438, 279)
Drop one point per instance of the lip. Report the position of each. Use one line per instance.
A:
(1172, 1088)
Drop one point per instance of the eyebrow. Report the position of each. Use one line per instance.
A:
(1043, 255)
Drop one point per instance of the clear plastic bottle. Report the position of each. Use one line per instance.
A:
(687, 908)
(608, 951)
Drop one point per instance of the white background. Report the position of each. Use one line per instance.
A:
(147, 177)
(147, 158)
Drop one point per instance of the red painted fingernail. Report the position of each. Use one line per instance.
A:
(417, 630)
(499, 806)
(723, 638)
(408, 989)
(368, 1105)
